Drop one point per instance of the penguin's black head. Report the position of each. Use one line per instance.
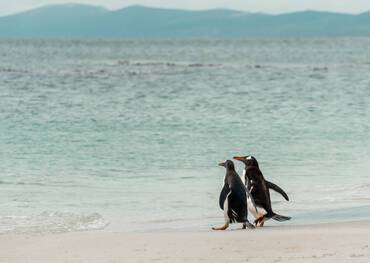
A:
(229, 165)
(247, 160)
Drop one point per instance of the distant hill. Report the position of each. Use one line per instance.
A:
(81, 21)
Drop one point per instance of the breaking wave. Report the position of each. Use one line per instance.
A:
(52, 222)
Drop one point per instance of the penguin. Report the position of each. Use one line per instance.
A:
(258, 188)
(252, 161)
(233, 198)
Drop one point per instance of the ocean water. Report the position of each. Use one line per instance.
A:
(126, 135)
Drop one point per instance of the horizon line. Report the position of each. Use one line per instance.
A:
(180, 9)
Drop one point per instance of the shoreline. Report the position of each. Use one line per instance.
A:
(339, 242)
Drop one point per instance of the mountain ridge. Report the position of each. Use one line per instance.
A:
(87, 21)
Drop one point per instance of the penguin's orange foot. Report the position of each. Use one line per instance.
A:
(260, 221)
(224, 227)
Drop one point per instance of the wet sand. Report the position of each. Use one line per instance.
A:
(337, 242)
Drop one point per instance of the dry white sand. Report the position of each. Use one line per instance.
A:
(339, 242)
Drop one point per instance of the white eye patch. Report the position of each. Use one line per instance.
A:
(249, 158)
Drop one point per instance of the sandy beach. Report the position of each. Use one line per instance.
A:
(337, 242)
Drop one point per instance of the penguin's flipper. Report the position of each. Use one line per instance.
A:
(280, 218)
(223, 195)
(277, 189)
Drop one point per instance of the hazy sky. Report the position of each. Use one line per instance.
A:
(268, 6)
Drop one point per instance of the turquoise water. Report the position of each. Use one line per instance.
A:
(126, 135)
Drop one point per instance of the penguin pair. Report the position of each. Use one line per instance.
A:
(236, 198)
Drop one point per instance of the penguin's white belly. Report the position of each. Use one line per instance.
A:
(260, 211)
(243, 177)
(226, 208)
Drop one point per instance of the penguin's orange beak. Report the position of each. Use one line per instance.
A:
(239, 158)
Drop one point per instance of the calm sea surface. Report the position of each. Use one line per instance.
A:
(126, 135)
